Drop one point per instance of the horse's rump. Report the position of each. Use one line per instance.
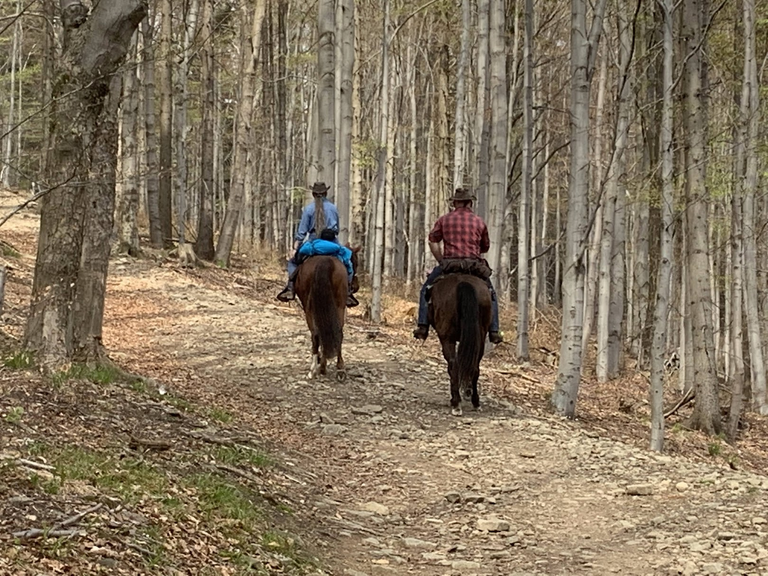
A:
(444, 309)
(321, 286)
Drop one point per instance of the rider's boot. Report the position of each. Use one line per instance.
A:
(421, 332)
(351, 300)
(495, 337)
(288, 293)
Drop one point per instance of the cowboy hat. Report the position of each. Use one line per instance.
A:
(463, 194)
(319, 188)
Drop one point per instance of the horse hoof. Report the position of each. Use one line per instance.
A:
(341, 375)
(477, 408)
(456, 411)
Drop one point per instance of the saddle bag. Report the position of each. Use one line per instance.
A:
(470, 266)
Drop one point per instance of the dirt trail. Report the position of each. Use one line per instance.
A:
(402, 487)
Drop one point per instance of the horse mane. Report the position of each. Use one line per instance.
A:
(319, 216)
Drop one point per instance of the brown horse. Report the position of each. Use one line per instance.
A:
(321, 285)
(460, 311)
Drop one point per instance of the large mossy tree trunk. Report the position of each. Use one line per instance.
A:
(77, 216)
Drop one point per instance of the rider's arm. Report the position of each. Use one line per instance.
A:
(304, 225)
(485, 241)
(437, 251)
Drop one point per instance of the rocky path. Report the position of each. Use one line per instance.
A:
(402, 487)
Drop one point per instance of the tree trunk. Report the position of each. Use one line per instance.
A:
(326, 84)
(482, 123)
(204, 244)
(663, 279)
(378, 246)
(497, 189)
(706, 413)
(243, 136)
(750, 116)
(459, 132)
(346, 38)
(128, 202)
(7, 173)
(524, 218)
(166, 118)
(152, 180)
(76, 220)
(584, 45)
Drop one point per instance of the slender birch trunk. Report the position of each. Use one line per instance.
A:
(706, 413)
(497, 190)
(584, 45)
(165, 78)
(524, 216)
(346, 39)
(381, 173)
(204, 244)
(663, 279)
(326, 97)
(459, 132)
(750, 116)
(128, 201)
(481, 140)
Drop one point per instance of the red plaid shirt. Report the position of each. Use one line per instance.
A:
(463, 234)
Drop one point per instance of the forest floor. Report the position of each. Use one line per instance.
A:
(225, 459)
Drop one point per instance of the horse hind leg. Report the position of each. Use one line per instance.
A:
(313, 369)
(475, 394)
(449, 353)
(341, 371)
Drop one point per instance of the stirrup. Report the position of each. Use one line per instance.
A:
(421, 332)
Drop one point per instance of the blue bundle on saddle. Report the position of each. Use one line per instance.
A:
(327, 248)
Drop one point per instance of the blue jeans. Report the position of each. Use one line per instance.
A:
(423, 307)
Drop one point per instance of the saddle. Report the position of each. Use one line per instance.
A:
(471, 266)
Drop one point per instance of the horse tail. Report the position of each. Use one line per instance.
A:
(470, 335)
(319, 215)
(324, 312)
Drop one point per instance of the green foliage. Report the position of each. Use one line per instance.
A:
(220, 415)
(98, 374)
(14, 415)
(238, 455)
(9, 251)
(221, 499)
(714, 448)
(19, 361)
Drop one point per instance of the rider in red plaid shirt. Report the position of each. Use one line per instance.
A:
(464, 235)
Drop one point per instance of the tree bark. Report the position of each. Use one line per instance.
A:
(750, 117)
(152, 177)
(378, 246)
(346, 38)
(497, 189)
(459, 132)
(326, 84)
(128, 202)
(524, 218)
(663, 279)
(165, 78)
(77, 218)
(706, 413)
(204, 244)
(584, 45)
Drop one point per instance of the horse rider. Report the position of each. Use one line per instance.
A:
(329, 228)
(464, 236)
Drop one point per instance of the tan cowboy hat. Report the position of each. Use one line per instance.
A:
(463, 194)
(319, 188)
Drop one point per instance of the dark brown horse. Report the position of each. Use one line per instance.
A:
(321, 285)
(460, 311)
